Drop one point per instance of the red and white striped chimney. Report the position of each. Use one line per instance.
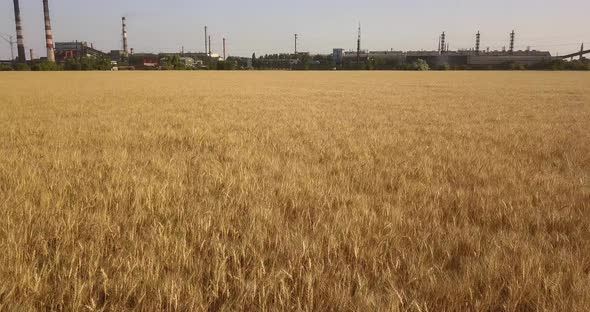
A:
(19, 34)
(125, 47)
(48, 32)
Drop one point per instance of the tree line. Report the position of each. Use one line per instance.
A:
(284, 61)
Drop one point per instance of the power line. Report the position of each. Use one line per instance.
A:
(11, 42)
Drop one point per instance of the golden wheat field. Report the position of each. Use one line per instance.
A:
(295, 191)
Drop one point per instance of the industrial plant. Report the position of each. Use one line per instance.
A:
(82, 55)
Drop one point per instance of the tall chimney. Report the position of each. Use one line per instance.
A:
(48, 33)
(442, 42)
(209, 46)
(125, 47)
(19, 34)
(31, 55)
(296, 37)
(206, 48)
(358, 47)
(582, 51)
(477, 41)
(224, 49)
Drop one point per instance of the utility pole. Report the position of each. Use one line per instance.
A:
(296, 44)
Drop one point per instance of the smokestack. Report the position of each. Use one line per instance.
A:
(512, 35)
(295, 44)
(31, 54)
(19, 34)
(224, 49)
(477, 41)
(442, 43)
(48, 33)
(124, 31)
(206, 49)
(209, 46)
(358, 47)
(582, 51)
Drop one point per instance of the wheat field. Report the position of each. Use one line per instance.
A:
(295, 191)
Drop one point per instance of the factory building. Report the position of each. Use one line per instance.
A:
(436, 59)
(144, 60)
(338, 56)
(528, 58)
(76, 50)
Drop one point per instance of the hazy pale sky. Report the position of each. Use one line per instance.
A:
(267, 26)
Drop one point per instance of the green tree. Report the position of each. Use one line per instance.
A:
(22, 67)
(5, 67)
(370, 64)
(444, 66)
(49, 66)
(72, 64)
(230, 63)
(421, 65)
(174, 61)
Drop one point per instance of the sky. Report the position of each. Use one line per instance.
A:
(268, 26)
